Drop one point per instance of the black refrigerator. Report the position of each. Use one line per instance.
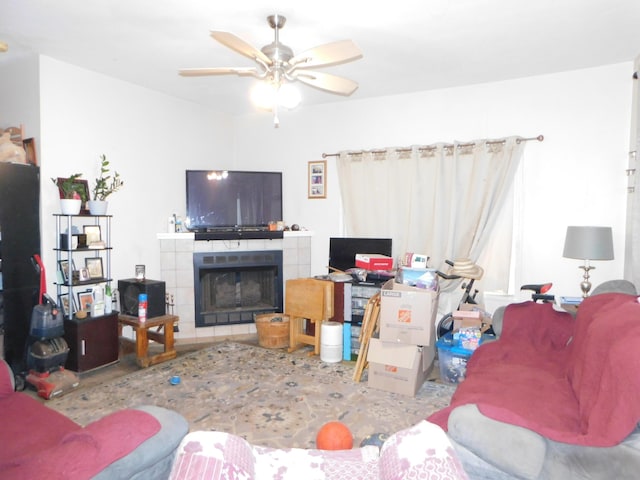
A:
(19, 241)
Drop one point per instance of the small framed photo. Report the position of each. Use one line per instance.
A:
(93, 234)
(82, 189)
(85, 300)
(63, 266)
(94, 267)
(67, 304)
(318, 179)
(83, 275)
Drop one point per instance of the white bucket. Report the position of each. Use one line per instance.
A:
(331, 342)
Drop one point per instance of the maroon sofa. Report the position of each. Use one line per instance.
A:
(555, 397)
(38, 442)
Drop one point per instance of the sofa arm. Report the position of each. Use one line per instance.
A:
(153, 457)
(125, 444)
(7, 380)
(512, 449)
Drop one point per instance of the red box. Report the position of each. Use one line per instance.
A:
(373, 261)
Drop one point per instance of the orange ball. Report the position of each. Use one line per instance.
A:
(334, 436)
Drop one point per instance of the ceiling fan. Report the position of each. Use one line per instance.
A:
(277, 65)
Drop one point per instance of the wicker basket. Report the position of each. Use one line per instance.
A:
(273, 330)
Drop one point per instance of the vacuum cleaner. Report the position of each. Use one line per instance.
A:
(47, 350)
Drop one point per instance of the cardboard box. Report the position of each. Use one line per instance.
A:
(373, 261)
(470, 316)
(407, 314)
(398, 368)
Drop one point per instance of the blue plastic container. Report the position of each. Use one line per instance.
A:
(453, 358)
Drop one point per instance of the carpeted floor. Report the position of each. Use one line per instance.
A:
(270, 397)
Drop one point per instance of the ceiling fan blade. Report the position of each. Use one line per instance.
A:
(326, 81)
(201, 72)
(328, 54)
(236, 43)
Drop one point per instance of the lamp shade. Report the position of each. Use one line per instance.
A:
(589, 243)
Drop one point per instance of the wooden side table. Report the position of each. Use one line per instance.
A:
(143, 333)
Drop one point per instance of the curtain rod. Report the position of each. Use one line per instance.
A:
(539, 138)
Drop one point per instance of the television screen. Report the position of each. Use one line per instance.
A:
(342, 251)
(232, 199)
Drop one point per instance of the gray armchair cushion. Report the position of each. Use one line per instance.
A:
(154, 457)
(512, 449)
(615, 286)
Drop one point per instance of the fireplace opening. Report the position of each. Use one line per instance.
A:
(230, 288)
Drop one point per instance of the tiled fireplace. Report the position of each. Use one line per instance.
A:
(232, 287)
(178, 251)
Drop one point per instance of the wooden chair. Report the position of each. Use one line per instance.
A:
(307, 299)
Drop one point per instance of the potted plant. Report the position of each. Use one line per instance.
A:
(104, 186)
(71, 192)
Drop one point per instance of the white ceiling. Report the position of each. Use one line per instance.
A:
(408, 45)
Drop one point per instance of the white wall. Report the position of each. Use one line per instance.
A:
(19, 98)
(148, 137)
(575, 177)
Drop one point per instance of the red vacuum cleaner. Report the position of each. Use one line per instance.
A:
(48, 350)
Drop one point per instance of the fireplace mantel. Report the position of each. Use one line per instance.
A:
(176, 270)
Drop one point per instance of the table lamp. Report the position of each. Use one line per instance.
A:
(588, 243)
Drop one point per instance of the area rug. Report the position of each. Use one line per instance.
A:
(269, 397)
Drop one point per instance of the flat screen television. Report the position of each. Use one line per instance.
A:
(342, 251)
(232, 199)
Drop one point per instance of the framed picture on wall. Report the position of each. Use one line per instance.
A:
(317, 179)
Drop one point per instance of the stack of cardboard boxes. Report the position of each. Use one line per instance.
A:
(401, 359)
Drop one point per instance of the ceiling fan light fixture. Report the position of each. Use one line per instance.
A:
(266, 96)
(262, 96)
(278, 66)
(288, 96)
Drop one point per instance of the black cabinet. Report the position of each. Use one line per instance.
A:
(93, 342)
(19, 241)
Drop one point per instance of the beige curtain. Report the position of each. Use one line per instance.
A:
(441, 200)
